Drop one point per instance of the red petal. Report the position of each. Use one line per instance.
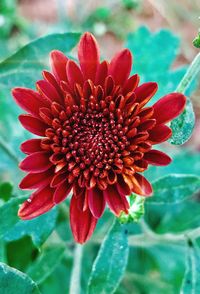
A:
(122, 187)
(58, 63)
(120, 66)
(77, 190)
(40, 202)
(146, 125)
(145, 92)
(48, 91)
(141, 186)
(58, 179)
(51, 79)
(62, 191)
(32, 124)
(31, 146)
(116, 201)
(96, 202)
(131, 84)
(74, 73)
(88, 54)
(82, 222)
(46, 115)
(35, 181)
(169, 107)
(159, 133)
(29, 100)
(102, 73)
(36, 162)
(156, 157)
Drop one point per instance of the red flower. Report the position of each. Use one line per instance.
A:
(97, 136)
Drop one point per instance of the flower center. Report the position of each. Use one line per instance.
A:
(96, 140)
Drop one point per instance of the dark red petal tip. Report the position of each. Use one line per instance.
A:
(82, 222)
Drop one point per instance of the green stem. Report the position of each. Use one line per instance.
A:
(9, 152)
(190, 75)
(76, 271)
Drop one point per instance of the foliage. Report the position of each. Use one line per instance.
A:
(110, 263)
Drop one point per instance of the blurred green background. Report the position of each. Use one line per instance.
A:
(159, 34)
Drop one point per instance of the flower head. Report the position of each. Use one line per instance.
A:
(97, 136)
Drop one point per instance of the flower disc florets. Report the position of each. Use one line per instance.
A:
(97, 136)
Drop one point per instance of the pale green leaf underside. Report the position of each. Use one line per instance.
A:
(110, 264)
(13, 281)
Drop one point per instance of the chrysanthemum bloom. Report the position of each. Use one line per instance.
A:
(98, 136)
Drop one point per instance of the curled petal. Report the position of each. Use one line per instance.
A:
(39, 202)
(62, 191)
(49, 77)
(36, 162)
(82, 223)
(120, 66)
(58, 179)
(74, 73)
(48, 91)
(131, 84)
(102, 73)
(169, 107)
(31, 146)
(141, 186)
(36, 180)
(116, 201)
(146, 125)
(88, 54)
(145, 92)
(96, 202)
(33, 124)
(156, 157)
(159, 133)
(29, 100)
(122, 187)
(58, 63)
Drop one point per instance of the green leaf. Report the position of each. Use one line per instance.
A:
(46, 263)
(154, 55)
(110, 264)
(196, 41)
(13, 281)
(6, 189)
(8, 214)
(59, 280)
(191, 282)
(12, 228)
(38, 229)
(25, 66)
(174, 188)
(182, 127)
(174, 218)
